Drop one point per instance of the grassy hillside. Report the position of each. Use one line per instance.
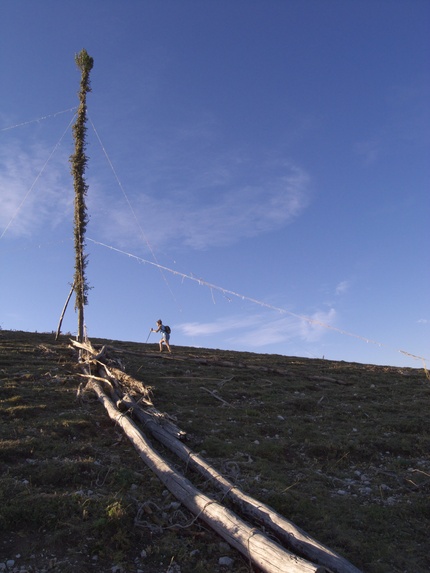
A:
(340, 449)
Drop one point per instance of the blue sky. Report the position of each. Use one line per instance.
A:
(258, 173)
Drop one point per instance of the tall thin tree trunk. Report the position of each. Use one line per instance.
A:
(79, 162)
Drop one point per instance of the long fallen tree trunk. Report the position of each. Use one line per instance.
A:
(287, 532)
(252, 543)
(291, 536)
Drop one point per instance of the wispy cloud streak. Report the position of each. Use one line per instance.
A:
(216, 208)
(259, 330)
(33, 197)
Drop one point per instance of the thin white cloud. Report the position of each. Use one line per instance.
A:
(211, 208)
(257, 331)
(313, 330)
(191, 197)
(33, 198)
(342, 287)
(371, 150)
(218, 326)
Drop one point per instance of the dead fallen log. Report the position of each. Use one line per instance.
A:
(122, 379)
(215, 395)
(330, 379)
(163, 421)
(252, 543)
(294, 538)
(287, 532)
(159, 418)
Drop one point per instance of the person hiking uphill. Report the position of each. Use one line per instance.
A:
(165, 335)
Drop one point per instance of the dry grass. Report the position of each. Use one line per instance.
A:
(341, 449)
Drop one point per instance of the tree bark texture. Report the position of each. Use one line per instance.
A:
(289, 535)
(64, 312)
(252, 543)
(292, 536)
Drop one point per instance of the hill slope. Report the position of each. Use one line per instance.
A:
(341, 449)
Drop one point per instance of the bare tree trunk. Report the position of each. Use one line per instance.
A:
(252, 543)
(64, 311)
(292, 536)
(78, 162)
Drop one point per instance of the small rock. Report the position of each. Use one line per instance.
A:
(225, 561)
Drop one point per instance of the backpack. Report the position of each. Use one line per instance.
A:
(167, 329)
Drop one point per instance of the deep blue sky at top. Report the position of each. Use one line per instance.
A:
(273, 154)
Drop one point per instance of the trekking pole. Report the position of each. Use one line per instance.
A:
(148, 335)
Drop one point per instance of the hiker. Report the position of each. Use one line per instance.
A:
(165, 335)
